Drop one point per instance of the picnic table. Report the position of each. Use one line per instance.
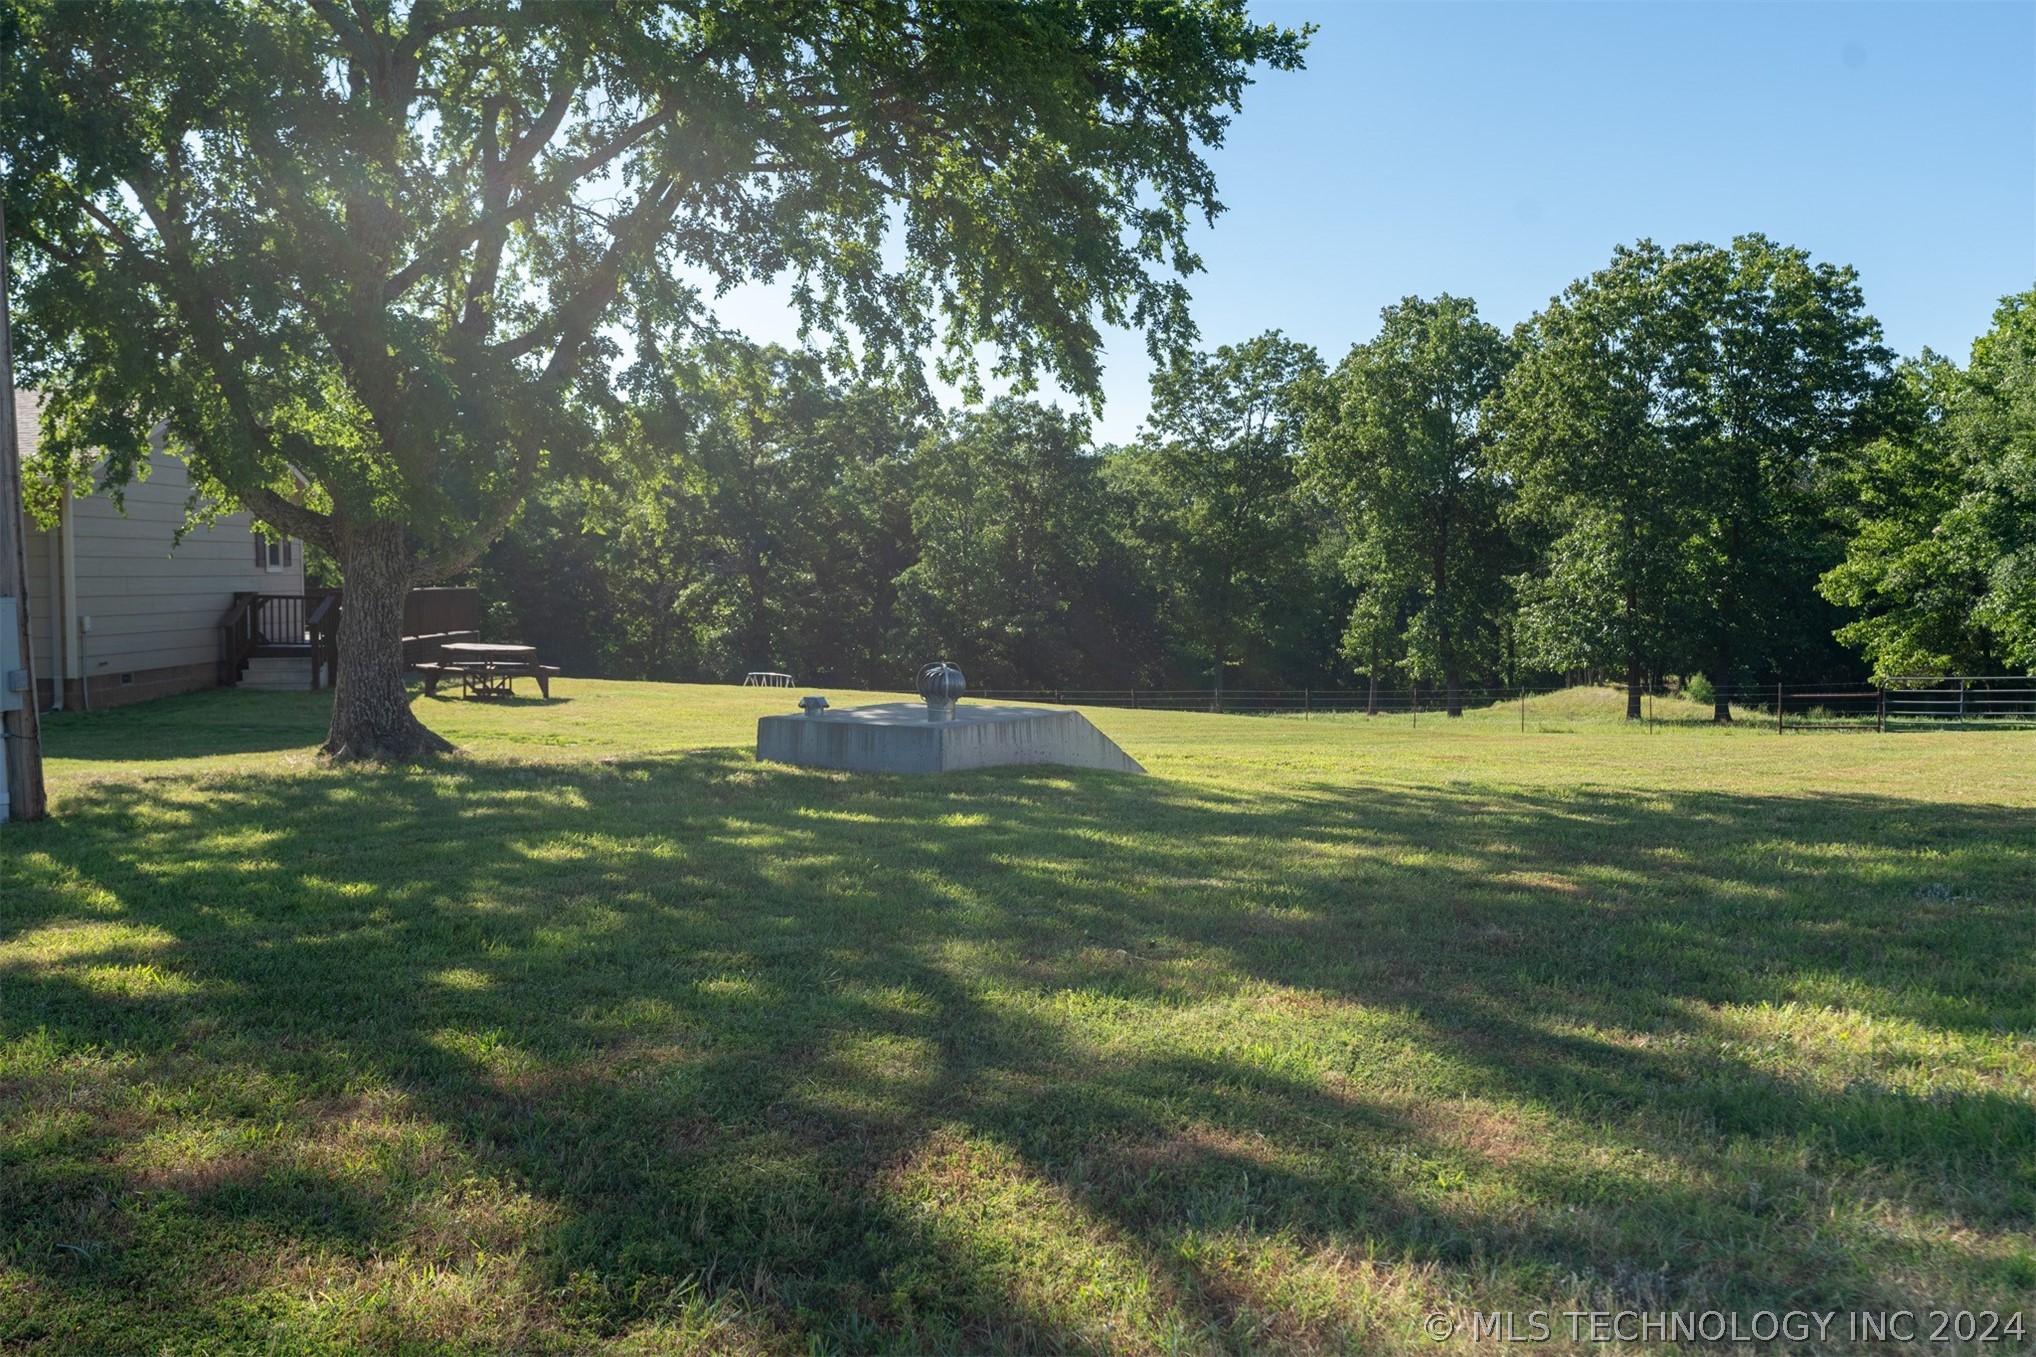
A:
(485, 668)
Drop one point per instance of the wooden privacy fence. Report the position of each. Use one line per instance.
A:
(434, 618)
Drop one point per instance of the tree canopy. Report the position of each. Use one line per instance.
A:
(1783, 380)
(375, 267)
(1402, 447)
(1942, 560)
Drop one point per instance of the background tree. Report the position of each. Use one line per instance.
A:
(1375, 636)
(1214, 492)
(1942, 561)
(1012, 524)
(1782, 375)
(367, 262)
(557, 578)
(1592, 419)
(1402, 448)
(752, 512)
(803, 478)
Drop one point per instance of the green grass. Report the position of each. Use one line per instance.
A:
(605, 1036)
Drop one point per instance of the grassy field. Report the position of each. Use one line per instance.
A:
(604, 1036)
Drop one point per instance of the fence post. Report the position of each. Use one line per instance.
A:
(1523, 711)
(1881, 712)
(1777, 709)
(1134, 697)
(1307, 703)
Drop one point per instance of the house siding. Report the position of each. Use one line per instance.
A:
(155, 602)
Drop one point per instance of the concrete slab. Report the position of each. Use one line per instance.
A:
(896, 737)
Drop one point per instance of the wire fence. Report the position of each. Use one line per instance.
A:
(1958, 702)
(1247, 701)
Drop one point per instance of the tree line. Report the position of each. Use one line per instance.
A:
(1695, 460)
(411, 283)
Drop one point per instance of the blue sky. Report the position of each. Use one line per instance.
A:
(1500, 150)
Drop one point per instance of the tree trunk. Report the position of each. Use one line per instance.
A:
(1721, 692)
(371, 717)
(1633, 669)
(1726, 622)
(756, 628)
(1452, 676)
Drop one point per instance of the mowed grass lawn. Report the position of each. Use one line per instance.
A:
(604, 1036)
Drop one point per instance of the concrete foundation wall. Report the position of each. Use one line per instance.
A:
(117, 690)
(897, 738)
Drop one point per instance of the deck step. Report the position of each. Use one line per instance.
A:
(277, 674)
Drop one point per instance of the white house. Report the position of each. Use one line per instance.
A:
(122, 611)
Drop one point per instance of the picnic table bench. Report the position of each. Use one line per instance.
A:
(485, 669)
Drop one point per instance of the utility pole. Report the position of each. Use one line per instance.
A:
(18, 723)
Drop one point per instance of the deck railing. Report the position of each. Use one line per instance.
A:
(256, 623)
(289, 623)
(236, 638)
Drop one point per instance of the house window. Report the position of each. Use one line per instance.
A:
(273, 557)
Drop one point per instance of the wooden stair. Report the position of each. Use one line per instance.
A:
(278, 673)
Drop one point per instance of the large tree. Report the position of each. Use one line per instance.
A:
(1677, 429)
(1214, 491)
(1783, 377)
(1402, 448)
(803, 481)
(373, 264)
(1942, 560)
(1592, 417)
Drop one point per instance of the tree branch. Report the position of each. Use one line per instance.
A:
(576, 317)
(497, 172)
(149, 263)
(292, 519)
(449, 244)
(545, 126)
(423, 32)
(340, 22)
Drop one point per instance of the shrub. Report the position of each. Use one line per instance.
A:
(1697, 688)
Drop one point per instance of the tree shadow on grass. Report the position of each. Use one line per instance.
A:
(195, 725)
(1018, 1060)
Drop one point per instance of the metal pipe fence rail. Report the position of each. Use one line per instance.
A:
(1960, 699)
(1972, 702)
